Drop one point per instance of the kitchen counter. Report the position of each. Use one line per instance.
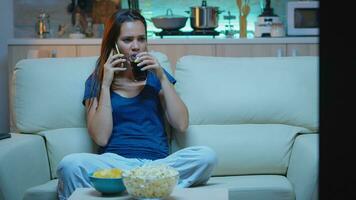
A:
(175, 40)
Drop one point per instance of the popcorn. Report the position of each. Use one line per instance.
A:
(151, 181)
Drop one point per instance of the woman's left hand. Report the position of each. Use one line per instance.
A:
(150, 63)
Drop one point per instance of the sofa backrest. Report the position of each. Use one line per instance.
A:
(258, 90)
(249, 110)
(47, 93)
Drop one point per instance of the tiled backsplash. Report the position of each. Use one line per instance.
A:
(26, 12)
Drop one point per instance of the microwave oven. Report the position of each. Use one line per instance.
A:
(303, 18)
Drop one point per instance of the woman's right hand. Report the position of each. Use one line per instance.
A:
(115, 63)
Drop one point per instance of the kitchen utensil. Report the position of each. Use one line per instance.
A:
(239, 5)
(204, 17)
(169, 21)
(245, 9)
(229, 30)
(243, 26)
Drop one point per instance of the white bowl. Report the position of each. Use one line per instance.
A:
(151, 181)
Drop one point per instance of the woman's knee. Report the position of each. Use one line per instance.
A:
(71, 163)
(207, 155)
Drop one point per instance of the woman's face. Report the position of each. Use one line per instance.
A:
(132, 38)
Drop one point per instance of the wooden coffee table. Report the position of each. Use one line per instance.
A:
(177, 194)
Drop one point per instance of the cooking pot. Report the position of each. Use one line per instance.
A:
(169, 21)
(204, 17)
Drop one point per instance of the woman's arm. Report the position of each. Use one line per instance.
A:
(99, 114)
(173, 106)
(99, 118)
(175, 109)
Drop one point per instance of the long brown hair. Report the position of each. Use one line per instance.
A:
(111, 34)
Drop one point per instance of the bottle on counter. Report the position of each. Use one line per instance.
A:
(43, 25)
(89, 29)
(77, 30)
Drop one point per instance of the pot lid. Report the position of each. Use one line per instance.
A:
(169, 14)
(205, 5)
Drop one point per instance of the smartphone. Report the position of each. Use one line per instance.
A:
(116, 49)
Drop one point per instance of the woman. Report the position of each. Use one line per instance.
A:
(125, 117)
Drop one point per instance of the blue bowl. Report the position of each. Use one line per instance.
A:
(107, 185)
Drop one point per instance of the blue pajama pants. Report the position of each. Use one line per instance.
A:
(194, 164)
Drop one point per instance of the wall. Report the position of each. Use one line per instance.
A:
(6, 21)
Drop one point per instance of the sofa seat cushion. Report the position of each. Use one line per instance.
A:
(244, 149)
(47, 191)
(61, 142)
(254, 187)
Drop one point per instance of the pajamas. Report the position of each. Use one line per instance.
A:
(194, 164)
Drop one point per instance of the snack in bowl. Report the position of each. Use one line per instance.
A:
(107, 181)
(150, 181)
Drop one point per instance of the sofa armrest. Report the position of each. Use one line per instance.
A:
(24, 164)
(303, 167)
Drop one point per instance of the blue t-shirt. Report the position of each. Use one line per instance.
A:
(138, 122)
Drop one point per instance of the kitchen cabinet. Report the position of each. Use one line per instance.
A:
(88, 50)
(302, 50)
(250, 50)
(253, 50)
(19, 52)
(173, 48)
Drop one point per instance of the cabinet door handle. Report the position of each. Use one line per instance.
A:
(294, 52)
(279, 52)
(53, 53)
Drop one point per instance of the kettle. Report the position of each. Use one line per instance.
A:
(42, 25)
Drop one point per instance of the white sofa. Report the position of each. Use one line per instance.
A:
(259, 114)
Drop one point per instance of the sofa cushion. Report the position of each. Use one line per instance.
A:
(47, 93)
(61, 142)
(258, 187)
(23, 164)
(246, 148)
(304, 166)
(46, 191)
(255, 90)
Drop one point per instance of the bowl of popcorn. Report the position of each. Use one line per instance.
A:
(107, 181)
(150, 181)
